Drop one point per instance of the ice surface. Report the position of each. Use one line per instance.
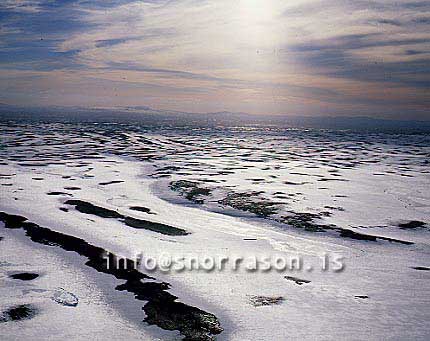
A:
(65, 298)
(368, 184)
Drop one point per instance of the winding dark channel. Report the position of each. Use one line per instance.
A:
(161, 308)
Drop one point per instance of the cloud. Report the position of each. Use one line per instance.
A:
(29, 6)
(308, 56)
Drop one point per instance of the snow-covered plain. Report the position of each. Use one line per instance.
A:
(370, 184)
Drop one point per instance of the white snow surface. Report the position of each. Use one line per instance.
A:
(327, 308)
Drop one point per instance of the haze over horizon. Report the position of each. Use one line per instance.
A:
(301, 57)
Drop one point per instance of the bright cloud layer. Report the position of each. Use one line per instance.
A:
(260, 56)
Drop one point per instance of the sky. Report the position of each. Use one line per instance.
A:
(293, 57)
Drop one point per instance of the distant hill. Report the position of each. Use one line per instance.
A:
(153, 117)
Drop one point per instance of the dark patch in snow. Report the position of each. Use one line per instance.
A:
(190, 190)
(360, 236)
(259, 301)
(24, 276)
(334, 208)
(88, 208)
(58, 193)
(296, 183)
(110, 182)
(18, 313)
(306, 221)
(297, 280)
(250, 202)
(421, 268)
(141, 209)
(6, 175)
(413, 224)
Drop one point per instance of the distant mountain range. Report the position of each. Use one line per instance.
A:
(153, 117)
